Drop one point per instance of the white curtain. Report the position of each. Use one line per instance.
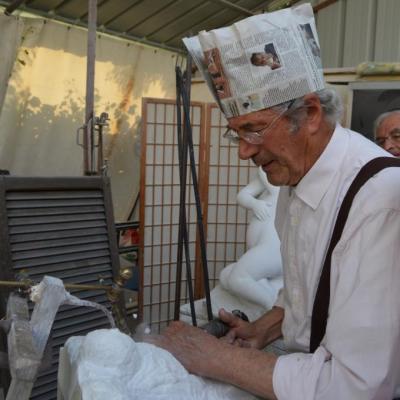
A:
(45, 103)
(10, 34)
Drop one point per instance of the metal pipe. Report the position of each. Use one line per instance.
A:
(88, 138)
(235, 7)
(27, 285)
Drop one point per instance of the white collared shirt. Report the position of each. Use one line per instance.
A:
(359, 357)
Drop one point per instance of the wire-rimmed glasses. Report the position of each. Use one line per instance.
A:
(254, 137)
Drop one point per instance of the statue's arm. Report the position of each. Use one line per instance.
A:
(247, 198)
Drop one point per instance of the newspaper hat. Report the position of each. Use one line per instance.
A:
(260, 61)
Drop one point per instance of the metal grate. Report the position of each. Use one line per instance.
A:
(64, 228)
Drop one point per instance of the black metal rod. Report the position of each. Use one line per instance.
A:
(185, 86)
(200, 227)
(178, 275)
(183, 239)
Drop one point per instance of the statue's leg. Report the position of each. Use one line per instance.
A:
(225, 274)
(255, 265)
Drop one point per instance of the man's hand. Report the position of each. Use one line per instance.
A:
(203, 354)
(194, 348)
(255, 334)
(242, 333)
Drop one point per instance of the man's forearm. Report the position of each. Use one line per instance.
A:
(247, 368)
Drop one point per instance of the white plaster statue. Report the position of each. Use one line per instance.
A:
(257, 275)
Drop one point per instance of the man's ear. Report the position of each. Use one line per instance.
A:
(314, 112)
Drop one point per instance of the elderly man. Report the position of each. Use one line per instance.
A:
(302, 148)
(387, 132)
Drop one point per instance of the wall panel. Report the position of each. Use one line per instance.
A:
(359, 33)
(387, 41)
(330, 25)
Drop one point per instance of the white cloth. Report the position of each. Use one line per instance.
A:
(359, 358)
(109, 365)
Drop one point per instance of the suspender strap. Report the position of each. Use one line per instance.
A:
(321, 302)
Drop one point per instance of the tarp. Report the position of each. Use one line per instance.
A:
(45, 102)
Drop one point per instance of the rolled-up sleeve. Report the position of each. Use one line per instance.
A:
(296, 375)
(359, 358)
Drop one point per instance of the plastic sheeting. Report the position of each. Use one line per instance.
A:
(107, 364)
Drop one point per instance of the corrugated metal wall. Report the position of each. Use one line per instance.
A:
(353, 31)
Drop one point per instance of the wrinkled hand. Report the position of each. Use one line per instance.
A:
(242, 333)
(260, 210)
(195, 349)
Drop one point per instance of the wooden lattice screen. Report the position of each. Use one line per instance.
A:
(226, 221)
(221, 174)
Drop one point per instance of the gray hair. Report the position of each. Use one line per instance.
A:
(331, 104)
(381, 118)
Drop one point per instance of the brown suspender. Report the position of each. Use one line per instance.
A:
(321, 302)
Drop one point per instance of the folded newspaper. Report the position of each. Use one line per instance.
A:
(260, 61)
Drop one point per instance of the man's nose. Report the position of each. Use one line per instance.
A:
(247, 150)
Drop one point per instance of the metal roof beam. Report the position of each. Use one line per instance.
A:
(235, 7)
(185, 31)
(174, 20)
(116, 16)
(150, 16)
(122, 35)
(13, 6)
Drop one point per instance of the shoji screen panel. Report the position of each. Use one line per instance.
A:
(159, 208)
(226, 221)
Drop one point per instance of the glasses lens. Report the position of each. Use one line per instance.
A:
(253, 137)
(232, 136)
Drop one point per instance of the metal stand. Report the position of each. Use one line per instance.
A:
(185, 141)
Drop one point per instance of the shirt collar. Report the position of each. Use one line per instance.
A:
(313, 186)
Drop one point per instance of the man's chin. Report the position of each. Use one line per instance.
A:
(274, 174)
(275, 178)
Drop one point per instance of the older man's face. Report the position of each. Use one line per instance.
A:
(284, 156)
(388, 134)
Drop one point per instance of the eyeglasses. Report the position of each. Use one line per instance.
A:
(393, 136)
(255, 137)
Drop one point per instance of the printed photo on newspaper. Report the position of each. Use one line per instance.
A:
(254, 64)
